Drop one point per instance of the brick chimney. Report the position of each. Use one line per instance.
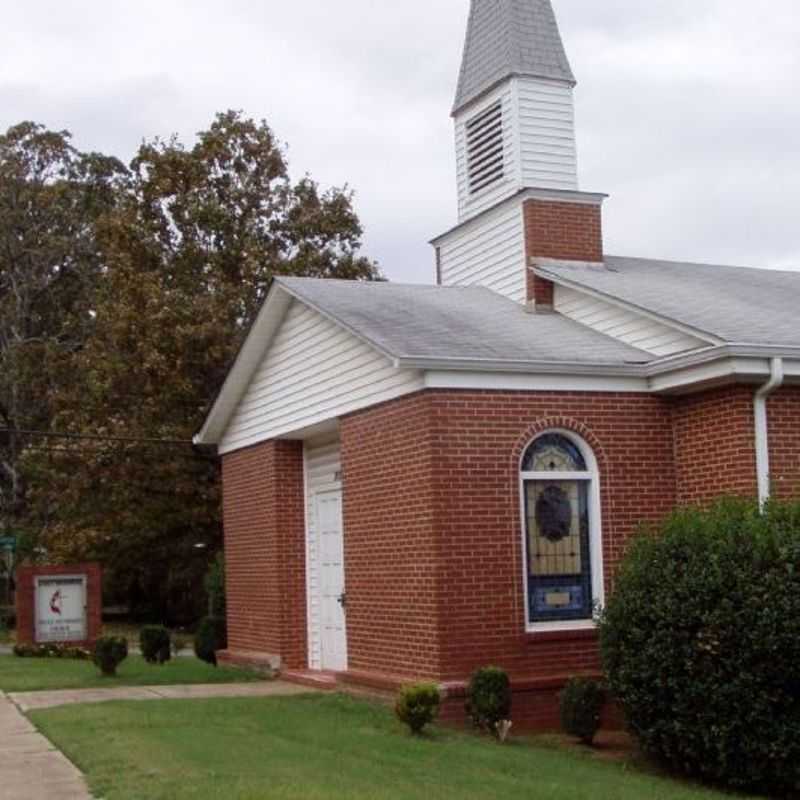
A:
(564, 230)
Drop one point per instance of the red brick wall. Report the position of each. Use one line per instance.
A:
(432, 499)
(391, 550)
(783, 414)
(715, 444)
(264, 520)
(26, 599)
(569, 231)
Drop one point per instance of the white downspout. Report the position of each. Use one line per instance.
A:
(761, 429)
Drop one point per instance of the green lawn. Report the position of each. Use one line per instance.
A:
(320, 747)
(34, 674)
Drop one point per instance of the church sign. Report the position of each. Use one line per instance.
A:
(60, 608)
(59, 604)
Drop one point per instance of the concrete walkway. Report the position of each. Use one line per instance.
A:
(30, 767)
(29, 701)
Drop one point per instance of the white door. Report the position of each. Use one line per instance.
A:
(331, 572)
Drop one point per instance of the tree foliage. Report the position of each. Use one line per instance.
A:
(50, 197)
(188, 249)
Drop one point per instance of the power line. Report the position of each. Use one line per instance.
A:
(97, 438)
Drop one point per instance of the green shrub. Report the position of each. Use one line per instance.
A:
(418, 705)
(701, 643)
(51, 651)
(582, 701)
(5, 633)
(109, 653)
(155, 644)
(211, 636)
(489, 699)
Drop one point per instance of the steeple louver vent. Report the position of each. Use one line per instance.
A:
(485, 159)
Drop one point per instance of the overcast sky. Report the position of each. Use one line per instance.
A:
(687, 110)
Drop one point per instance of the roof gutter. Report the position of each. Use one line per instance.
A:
(538, 367)
(762, 429)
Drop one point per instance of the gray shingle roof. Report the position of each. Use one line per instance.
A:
(455, 323)
(735, 304)
(510, 37)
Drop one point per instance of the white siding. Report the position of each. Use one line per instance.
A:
(627, 326)
(314, 371)
(489, 251)
(468, 204)
(322, 466)
(539, 132)
(546, 134)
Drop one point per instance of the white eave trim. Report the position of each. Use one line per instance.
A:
(539, 268)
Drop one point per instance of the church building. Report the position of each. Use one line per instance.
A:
(420, 480)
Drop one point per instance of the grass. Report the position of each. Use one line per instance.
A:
(320, 747)
(35, 674)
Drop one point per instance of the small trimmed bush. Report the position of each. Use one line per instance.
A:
(489, 699)
(582, 701)
(418, 705)
(211, 636)
(109, 653)
(156, 644)
(701, 643)
(51, 651)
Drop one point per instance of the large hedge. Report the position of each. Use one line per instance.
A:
(701, 643)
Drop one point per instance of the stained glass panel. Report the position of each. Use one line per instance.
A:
(554, 527)
(553, 453)
(559, 569)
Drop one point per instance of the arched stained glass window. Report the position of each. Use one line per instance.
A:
(553, 452)
(561, 505)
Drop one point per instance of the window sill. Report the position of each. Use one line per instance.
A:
(562, 633)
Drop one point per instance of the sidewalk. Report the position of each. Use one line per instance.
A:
(30, 701)
(30, 767)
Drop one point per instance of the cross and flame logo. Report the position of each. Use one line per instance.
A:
(55, 602)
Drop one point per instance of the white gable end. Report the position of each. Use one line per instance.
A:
(623, 324)
(313, 371)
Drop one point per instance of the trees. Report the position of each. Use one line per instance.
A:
(189, 251)
(50, 197)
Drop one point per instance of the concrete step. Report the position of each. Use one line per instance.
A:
(324, 680)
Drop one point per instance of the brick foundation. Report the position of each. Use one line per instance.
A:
(26, 600)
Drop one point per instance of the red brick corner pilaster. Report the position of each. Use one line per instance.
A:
(26, 599)
(264, 522)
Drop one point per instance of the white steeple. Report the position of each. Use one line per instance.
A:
(513, 112)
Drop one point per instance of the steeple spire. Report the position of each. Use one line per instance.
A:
(510, 38)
